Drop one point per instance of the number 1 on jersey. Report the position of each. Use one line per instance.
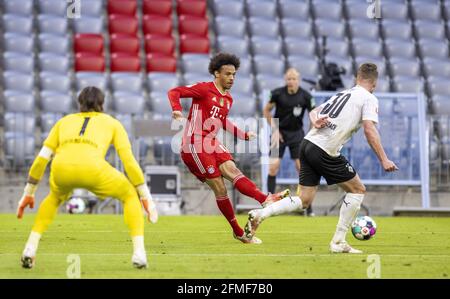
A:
(83, 127)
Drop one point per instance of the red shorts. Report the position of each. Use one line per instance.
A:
(204, 161)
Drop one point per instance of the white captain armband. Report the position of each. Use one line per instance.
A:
(46, 153)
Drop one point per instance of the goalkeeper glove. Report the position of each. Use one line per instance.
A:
(27, 199)
(147, 203)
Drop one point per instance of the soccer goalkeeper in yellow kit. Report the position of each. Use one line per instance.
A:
(78, 144)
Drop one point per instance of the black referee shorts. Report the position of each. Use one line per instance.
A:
(294, 150)
(316, 163)
(292, 140)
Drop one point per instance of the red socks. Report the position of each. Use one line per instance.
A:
(224, 204)
(247, 187)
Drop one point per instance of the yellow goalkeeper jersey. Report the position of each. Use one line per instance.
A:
(84, 138)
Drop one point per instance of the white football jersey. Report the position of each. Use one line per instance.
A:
(346, 110)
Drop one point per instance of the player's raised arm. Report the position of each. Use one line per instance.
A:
(174, 95)
(233, 129)
(318, 121)
(374, 140)
(37, 170)
(369, 119)
(134, 171)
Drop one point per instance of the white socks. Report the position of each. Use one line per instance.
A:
(139, 257)
(349, 210)
(286, 205)
(32, 243)
(138, 244)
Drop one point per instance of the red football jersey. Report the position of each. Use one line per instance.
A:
(208, 113)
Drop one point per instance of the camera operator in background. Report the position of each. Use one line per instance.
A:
(330, 79)
(290, 102)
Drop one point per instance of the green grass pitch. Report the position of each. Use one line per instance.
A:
(203, 247)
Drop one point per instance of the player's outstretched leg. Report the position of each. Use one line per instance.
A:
(224, 204)
(348, 212)
(46, 214)
(285, 205)
(272, 198)
(245, 186)
(132, 212)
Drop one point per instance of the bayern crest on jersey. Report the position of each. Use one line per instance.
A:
(210, 169)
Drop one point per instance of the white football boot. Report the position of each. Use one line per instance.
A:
(254, 220)
(248, 240)
(28, 257)
(139, 259)
(342, 247)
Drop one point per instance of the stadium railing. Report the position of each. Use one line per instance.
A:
(440, 153)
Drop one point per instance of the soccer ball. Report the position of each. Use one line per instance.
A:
(75, 205)
(364, 228)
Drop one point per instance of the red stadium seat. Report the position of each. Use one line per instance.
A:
(124, 43)
(191, 7)
(193, 25)
(161, 63)
(123, 24)
(154, 24)
(122, 7)
(157, 7)
(122, 62)
(159, 44)
(88, 42)
(88, 62)
(194, 44)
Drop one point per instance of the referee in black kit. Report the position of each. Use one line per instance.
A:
(290, 102)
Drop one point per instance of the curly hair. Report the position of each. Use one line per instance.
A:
(222, 59)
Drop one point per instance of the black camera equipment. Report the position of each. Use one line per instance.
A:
(330, 71)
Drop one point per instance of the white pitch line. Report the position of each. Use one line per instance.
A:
(213, 232)
(240, 255)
